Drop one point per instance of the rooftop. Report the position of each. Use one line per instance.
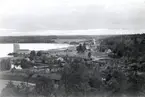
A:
(23, 50)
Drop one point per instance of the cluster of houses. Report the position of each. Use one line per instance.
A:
(48, 57)
(52, 56)
(52, 61)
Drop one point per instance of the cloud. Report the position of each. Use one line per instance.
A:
(33, 16)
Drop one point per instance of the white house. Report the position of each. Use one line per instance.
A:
(108, 51)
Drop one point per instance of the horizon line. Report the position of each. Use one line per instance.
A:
(73, 35)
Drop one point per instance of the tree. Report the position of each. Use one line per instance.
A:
(137, 82)
(5, 64)
(89, 54)
(81, 48)
(75, 78)
(39, 53)
(10, 84)
(33, 53)
(26, 64)
(44, 86)
(84, 47)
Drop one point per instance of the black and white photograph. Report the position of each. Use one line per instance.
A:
(72, 48)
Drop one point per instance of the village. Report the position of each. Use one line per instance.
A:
(87, 68)
(50, 63)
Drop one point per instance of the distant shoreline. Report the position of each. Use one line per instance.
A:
(47, 39)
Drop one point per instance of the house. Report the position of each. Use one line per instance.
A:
(108, 51)
(37, 59)
(23, 52)
(60, 59)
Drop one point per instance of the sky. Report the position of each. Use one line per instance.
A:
(71, 17)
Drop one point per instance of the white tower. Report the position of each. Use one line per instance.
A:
(94, 43)
(16, 47)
